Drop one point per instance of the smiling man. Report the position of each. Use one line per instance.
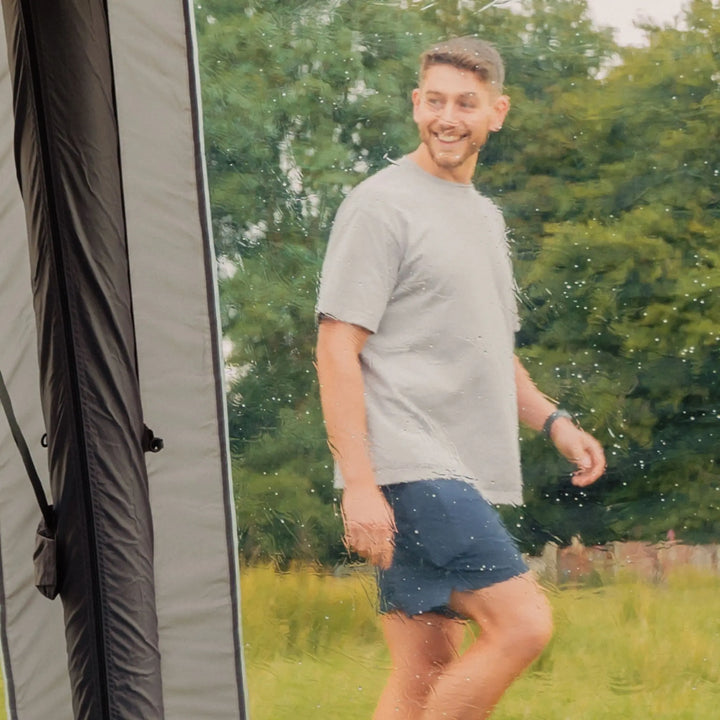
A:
(422, 393)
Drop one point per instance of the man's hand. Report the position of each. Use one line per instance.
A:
(369, 524)
(579, 448)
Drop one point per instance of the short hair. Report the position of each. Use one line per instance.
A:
(467, 53)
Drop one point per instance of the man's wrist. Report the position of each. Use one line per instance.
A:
(552, 417)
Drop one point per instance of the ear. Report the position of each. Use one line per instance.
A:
(501, 107)
(415, 101)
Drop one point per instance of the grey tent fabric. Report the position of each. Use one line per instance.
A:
(35, 667)
(174, 306)
(67, 157)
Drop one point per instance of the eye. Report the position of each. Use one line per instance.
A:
(434, 102)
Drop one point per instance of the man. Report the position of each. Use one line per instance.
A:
(421, 394)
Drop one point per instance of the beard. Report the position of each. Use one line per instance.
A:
(452, 157)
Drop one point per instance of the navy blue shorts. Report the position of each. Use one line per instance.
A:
(448, 538)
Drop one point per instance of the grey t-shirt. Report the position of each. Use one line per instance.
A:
(423, 264)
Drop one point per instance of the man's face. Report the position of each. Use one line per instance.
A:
(454, 111)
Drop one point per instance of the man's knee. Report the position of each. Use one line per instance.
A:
(522, 623)
(534, 628)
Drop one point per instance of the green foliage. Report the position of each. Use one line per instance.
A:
(285, 505)
(281, 518)
(608, 172)
(625, 308)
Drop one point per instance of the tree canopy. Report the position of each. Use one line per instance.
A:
(608, 173)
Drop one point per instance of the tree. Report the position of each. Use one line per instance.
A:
(628, 290)
(607, 172)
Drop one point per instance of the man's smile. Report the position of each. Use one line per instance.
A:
(449, 138)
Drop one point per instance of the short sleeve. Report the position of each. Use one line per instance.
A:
(361, 265)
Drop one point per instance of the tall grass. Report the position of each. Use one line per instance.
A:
(312, 643)
(620, 651)
(306, 612)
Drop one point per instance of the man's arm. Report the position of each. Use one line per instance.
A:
(576, 445)
(368, 519)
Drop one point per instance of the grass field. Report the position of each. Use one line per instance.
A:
(621, 651)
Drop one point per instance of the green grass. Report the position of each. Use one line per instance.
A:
(621, 651)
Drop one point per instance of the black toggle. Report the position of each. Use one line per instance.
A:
(150, 443)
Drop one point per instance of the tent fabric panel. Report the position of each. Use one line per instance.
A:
(34, 657)
(171, 256)
(199, 598)
(66, 148)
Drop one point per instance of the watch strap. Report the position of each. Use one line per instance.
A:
(552, 417)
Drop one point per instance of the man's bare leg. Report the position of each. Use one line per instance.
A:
(420, 648)
(516, 624)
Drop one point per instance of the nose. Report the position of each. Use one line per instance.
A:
(447, 114)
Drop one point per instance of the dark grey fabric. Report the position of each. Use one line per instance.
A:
(179, 362)
(34, 664)
(66, 146)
